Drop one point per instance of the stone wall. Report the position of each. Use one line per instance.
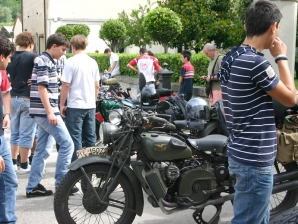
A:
(125, 82)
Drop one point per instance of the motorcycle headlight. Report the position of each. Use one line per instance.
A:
(115, 117)
(106, 130)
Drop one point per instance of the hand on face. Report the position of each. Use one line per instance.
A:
(278, 47)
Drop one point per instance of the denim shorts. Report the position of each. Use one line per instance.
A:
(252, 193)
(22, 126)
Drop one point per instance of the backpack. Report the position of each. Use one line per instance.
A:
(287, 140)
(177, 108)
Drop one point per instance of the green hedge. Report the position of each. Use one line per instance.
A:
(199, 61)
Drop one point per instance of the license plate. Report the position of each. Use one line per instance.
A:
(94, 150)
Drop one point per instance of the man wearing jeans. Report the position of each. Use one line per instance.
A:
(44, 109)
(8, 177)
(80, 84)
(248, 85)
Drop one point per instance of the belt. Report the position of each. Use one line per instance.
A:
(21, 97)
(149, 82)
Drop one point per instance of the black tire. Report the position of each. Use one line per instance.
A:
(287, 199)
(84, 207)
(289, 216)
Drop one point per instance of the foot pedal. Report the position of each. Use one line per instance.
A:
(198, 216)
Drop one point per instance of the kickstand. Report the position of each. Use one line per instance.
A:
(198, 215)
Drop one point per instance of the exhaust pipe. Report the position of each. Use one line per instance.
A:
(290, 185)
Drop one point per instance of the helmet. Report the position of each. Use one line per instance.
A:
(149, 96)
(197, 108)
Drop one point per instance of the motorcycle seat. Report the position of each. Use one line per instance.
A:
(213, 143)
(189, 125)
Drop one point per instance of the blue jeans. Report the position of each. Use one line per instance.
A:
(252, 193)
(8, 186)
(81, 126)
(44, 148)
(22, 126)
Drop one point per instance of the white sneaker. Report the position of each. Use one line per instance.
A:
(23, 171)
(15, 167)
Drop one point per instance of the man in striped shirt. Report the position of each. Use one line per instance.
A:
(44, 109)
(186, 76)
(248, 85)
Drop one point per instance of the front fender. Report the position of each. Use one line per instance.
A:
(136, 185)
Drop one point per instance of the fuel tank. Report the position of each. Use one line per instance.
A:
(109, 105)
(162, 147)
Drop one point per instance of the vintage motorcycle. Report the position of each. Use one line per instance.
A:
(177, 173)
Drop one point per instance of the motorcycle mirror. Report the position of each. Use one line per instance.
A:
(128, 89)
(142, 81)
(163, 105)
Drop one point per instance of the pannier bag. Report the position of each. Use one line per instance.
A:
(287, 140)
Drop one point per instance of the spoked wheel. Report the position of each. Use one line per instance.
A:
(286, 199)
(84, 207)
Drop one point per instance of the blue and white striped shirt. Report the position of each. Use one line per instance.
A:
(246, 76)
(43, 73)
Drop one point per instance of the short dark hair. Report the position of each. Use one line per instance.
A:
(150, 53)
(143, 50)
(259, 16)
(107, 50)
(6, 47)
(186, 54)
(57, 38)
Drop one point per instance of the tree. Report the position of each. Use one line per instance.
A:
(205, 21)
(113, 32)
(82, 29)
(13, 5)
(135, 31)
(5, 14)
(163, 25)
(65, 30)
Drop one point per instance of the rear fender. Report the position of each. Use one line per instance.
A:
(210, 127)
(136, 185)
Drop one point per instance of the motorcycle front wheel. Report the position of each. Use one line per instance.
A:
(84, 207)
(286, 199)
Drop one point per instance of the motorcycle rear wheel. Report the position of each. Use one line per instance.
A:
(288, 217)
(287, 199)
(83, 206)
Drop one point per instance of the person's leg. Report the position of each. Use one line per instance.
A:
(14, 129)
(27, 132)
(8, 186)
(88, 129)
(33, 146)
(253, 186)
(74, 122)
(40, 156)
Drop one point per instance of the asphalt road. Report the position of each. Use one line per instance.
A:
(40, 210)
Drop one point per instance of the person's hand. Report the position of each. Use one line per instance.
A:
(29, 82)
(2, 164)
(6, 122)
(278, 47)
(203, 77)
(52, 119)
(62, 111)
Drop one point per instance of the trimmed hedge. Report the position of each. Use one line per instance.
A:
(199, 61)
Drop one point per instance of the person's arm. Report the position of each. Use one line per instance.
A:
(182, 74)
(2, 164)
(112, 66)
(285, 90)
(63, 95)
(44, 97)
(180, 80)
(6, 104)
(96, 89)
(132, 68)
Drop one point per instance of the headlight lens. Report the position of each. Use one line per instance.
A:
(114, 117)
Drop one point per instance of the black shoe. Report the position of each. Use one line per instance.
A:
(72, 191)
(39, 191)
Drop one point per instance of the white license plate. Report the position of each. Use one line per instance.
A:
(94, 150)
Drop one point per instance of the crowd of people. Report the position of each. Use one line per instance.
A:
(243, 78)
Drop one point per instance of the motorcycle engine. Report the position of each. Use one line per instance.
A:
(196, 184)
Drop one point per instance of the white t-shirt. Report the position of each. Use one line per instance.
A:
(114, 57)
(81, 71)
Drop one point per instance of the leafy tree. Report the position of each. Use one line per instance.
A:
(82, 29)
(13, 5)
(113, 32)
(65, 30)
(163, 25)
(5, 14)
(135, 32)
(206, 20)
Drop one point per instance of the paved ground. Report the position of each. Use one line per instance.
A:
(40, 210)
